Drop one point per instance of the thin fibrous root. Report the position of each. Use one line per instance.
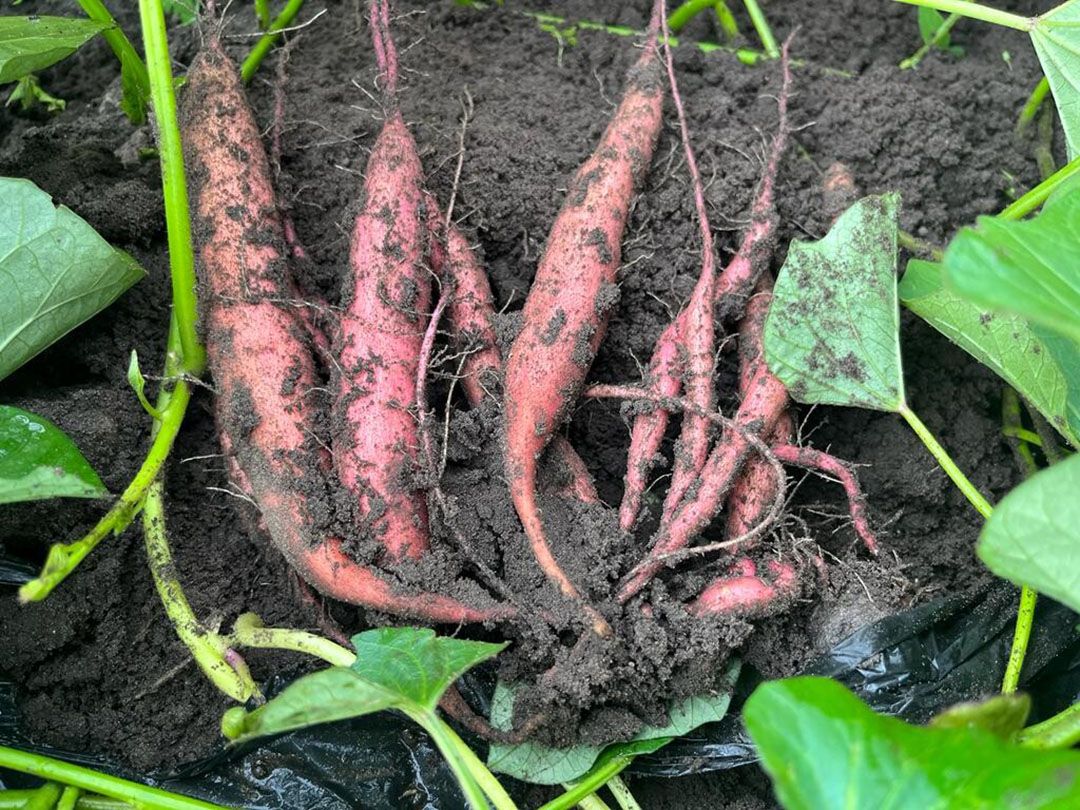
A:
(820, 461)
(698, 330)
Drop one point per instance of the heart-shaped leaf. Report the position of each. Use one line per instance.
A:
(30, 44)
(825, 749)
(832, 335)
(1031, 537)
(55, 271)
(1045, 371)
(38, 460)
(1002, 715)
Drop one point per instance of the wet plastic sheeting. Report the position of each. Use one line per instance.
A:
(911, 665)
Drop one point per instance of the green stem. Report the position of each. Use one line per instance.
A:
(918, 246)
(592, 782)
(123, 49)
(44, 798)
(207, 647)
(467, 768)
(262, 13)
(977, 11)
(622, 794)
(64, 557)
(761, 25)
(174, 186)
(939, 36)
(267, 41)
(982, 506)
(248, 631)
(1027, 437)
(1032, 105)
(69, 799)
(726, 20)
(678, 19)
(1023, 206)
(1060, 731)
(142, 796)
(1012, 427)
(1025, 616)
(16, 800)
(593, 802)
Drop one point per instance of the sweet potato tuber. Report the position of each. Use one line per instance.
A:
(567, 308)
(381, 331)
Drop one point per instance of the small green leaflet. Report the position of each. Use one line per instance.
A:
(1031, 537)
(1056, 37)
(544, 765)
(38, 461)
(825, 749)
(1003, 343)
(185, 11)
(930, 21)
(55, 270)
(833, 331)
(402, 668)
(30, 44)
(1027, 267)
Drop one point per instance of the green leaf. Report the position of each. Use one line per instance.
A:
(404, 668)
(138, 384)
(833, 331)
(1031, 536)
(545, 765)
(29, 93)
(185, 11)
(1056, 37)
(1026, 267)
(416, 663)
(930, 20)
(824, 749)
(1002, 715)
(55, 270)
(38, 460)
(1046, 372)
(30, 44)
(331, 694)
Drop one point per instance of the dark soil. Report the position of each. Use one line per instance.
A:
(98, 666)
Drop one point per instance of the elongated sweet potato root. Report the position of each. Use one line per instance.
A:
(567, 308)
(260, 355)
(381, 331)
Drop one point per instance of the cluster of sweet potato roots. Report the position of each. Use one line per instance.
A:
(265, 354)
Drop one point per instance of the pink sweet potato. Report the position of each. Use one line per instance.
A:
(567, 308)
(381, 331)
(743, 592)
(260, 355)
